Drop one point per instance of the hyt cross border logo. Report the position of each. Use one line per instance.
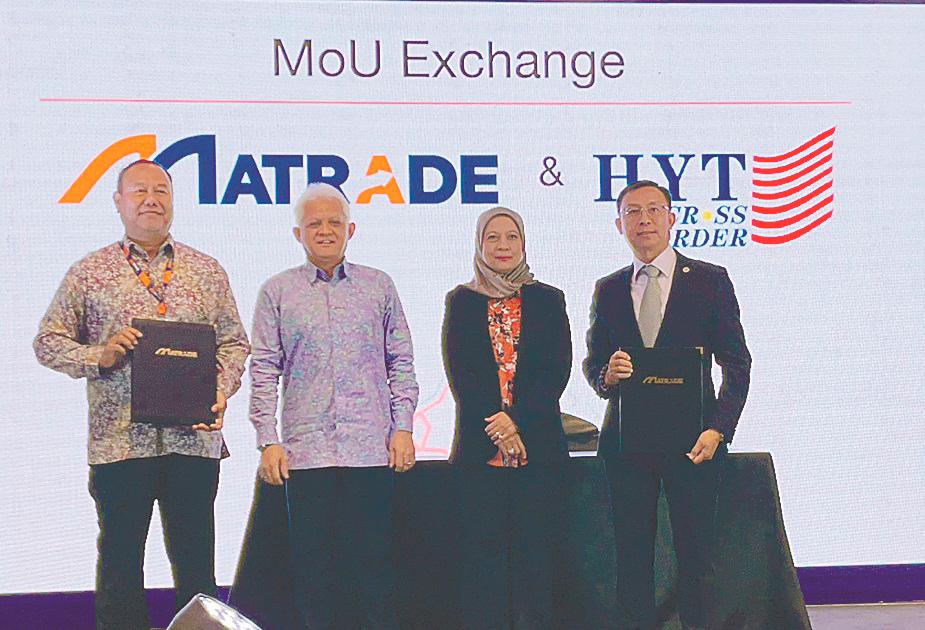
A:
(792, 192)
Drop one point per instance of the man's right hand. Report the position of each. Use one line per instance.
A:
(618, 368)
(118, 345)
(274, 465)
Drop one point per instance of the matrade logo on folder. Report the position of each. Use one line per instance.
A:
(662, 380)
(170, 352)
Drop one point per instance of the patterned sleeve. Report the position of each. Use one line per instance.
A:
(399, 363)
(231, 338)
(59, 343)
(266, 368)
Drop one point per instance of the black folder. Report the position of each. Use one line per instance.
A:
(661, 405)
(174, 373)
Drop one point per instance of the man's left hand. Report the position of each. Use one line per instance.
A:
(401, 451)
(221, 403)
(706, 446)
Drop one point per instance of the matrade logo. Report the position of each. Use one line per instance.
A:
(432, 179)
(792, 192)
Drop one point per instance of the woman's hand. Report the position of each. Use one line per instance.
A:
(503, 433)
(500, 427)
(513, 451)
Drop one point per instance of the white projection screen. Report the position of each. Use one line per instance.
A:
(792, 137)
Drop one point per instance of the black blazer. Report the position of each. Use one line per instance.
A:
(544, 362)
(702, 310)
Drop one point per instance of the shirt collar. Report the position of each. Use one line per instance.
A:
(664, 262)
(166, 248)
(316, 274)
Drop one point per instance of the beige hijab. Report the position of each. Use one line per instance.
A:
(487, 281)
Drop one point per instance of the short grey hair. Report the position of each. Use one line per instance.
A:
(316, 191)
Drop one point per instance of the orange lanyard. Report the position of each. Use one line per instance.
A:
(145, 278)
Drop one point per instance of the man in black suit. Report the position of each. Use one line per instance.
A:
(665, 299)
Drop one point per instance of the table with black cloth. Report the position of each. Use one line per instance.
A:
(756, 583)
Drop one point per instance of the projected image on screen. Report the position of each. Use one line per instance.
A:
(783, 161)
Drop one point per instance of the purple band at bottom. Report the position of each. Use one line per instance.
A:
(820, 585)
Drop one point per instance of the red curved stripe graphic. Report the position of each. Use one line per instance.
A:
(786, 167)
(795, 176)
(790, 236)
(421, 417)
(795, 189)
(782, 223)
(793, 204)
(802, 147)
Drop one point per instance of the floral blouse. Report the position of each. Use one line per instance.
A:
(504, 316)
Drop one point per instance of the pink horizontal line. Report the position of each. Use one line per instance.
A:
(207, 101)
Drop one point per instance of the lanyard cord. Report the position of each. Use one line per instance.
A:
(145, 278)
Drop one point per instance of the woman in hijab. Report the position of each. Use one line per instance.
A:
(508, 355)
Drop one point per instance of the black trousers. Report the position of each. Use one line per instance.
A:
(512, 523)
(691, 491)
(184, 488)
(340, 531)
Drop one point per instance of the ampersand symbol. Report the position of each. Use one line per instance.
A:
(550, 177)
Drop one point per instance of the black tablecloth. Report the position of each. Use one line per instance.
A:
(756, 583)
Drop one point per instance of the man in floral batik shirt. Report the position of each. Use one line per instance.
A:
(87, 333)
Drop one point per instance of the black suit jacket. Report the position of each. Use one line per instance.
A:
(544, 361)
(701, 311)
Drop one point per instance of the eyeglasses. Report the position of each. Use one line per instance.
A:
(636, 212)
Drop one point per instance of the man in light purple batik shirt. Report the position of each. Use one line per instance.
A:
(335, 333)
